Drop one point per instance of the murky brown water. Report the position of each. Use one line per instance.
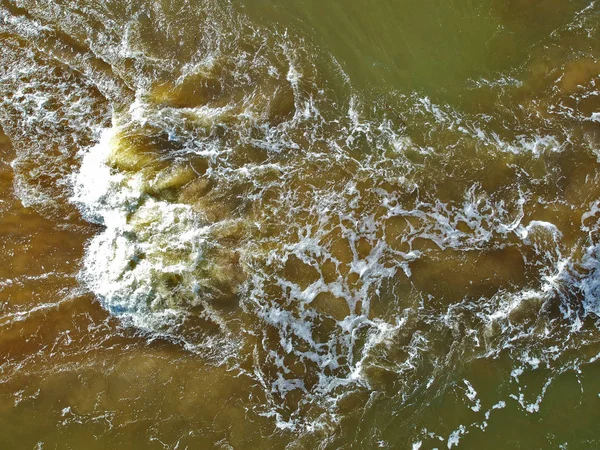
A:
(299, 225)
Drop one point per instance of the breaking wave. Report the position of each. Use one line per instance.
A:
(260, 211)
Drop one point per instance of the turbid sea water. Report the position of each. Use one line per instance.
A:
(300, 224)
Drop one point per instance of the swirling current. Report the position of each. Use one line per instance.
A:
(258, 225)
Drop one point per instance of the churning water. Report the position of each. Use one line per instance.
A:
(270, 224)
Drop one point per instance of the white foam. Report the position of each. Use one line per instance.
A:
(455, 436)
(146, 239)
(133, 258)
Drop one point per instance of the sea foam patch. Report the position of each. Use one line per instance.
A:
(350, 247)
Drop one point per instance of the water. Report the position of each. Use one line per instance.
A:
(296, 225)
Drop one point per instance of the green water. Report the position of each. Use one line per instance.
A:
(435, 47)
